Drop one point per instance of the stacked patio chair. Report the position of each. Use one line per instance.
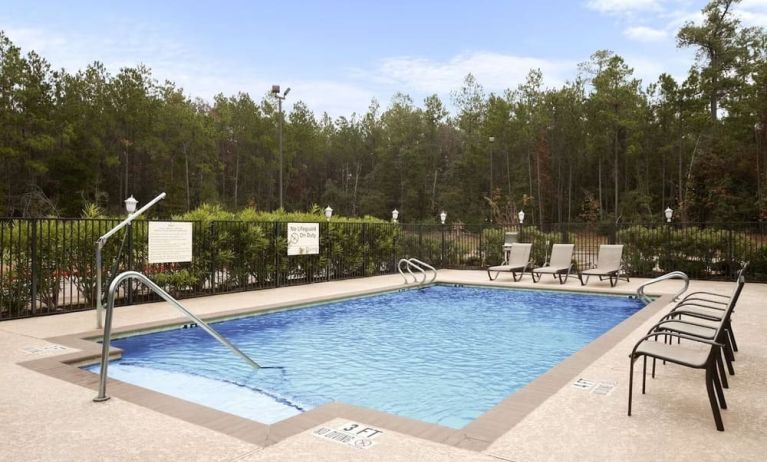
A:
(609, 265)
(709, 332)
(560, 263)
(518, 262)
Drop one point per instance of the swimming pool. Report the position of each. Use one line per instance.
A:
(441, 354)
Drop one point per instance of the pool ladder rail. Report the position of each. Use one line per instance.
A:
(418, 265)
(102, 396)
(672, 275)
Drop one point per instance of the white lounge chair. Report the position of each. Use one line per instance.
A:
(518, 261)
(560, 263)
(609, 265)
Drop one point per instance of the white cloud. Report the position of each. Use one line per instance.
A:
(753, 12)
(169, 59)
(645, 34)
(623, 6)
(495, 71)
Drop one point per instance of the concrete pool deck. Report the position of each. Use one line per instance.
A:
(45, 418)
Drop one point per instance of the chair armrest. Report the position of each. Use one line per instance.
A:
(699, 305)
(700, 292)
(660, 324)
(690, 313)
(677, 335)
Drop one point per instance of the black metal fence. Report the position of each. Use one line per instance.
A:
(48, 265)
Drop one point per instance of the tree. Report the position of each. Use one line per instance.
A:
(718, 50)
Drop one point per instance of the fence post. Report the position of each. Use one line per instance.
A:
(364, 249)
(442, 257)
(394, 245)
(36, 265)
(328, 244)
(481, 229)
(731, 251)
(420, 242)
(130, 262)
(613, 232)
(212, 268)
(275, 235)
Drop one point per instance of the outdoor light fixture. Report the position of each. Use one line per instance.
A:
(443, 217)
(130, 204)
(328, 212)
(669, 213)
(521, 216)
(394, 215)
(276, 93)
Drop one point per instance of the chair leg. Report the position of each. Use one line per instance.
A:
(720, 367)
(491, 277)
(580, 277)
(728, 357)
(644, 373)
(731, 334)
(613, 281)
(631, 381)
(719, 390)
(712, 398)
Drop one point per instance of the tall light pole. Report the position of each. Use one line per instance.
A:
(491, 139)
(280, 98)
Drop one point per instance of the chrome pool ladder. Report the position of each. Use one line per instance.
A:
(102, 396)
(672, 275)
(418, 265)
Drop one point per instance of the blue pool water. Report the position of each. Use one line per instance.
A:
(441, 354)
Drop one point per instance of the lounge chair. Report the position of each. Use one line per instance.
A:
(518, 261)
(711, 308)
(706, 356)
(609, 265)
(712, 298)
(684, 319)
(560, 263)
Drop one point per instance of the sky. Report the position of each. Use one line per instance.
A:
(338, 55)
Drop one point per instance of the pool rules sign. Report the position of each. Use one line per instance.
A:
(170, 241)
(303, 239)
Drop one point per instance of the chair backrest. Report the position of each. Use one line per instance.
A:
(742, 270)
(561, 255)
(510, 238)
(609, 257)
(731, 305)
(519, 253)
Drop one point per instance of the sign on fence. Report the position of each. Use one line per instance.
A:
(170, 241)
(303, 238)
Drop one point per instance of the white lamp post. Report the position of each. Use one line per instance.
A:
(521, 216)
(669, 213)
(394, 215)
(443, 217)
(130, 204)
(328, 212)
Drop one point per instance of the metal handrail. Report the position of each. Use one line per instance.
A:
(672, 275)
(428, 266)
(409, 265)
(419, 266)
(165, 296)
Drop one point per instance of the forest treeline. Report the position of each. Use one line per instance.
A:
(603, 147)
